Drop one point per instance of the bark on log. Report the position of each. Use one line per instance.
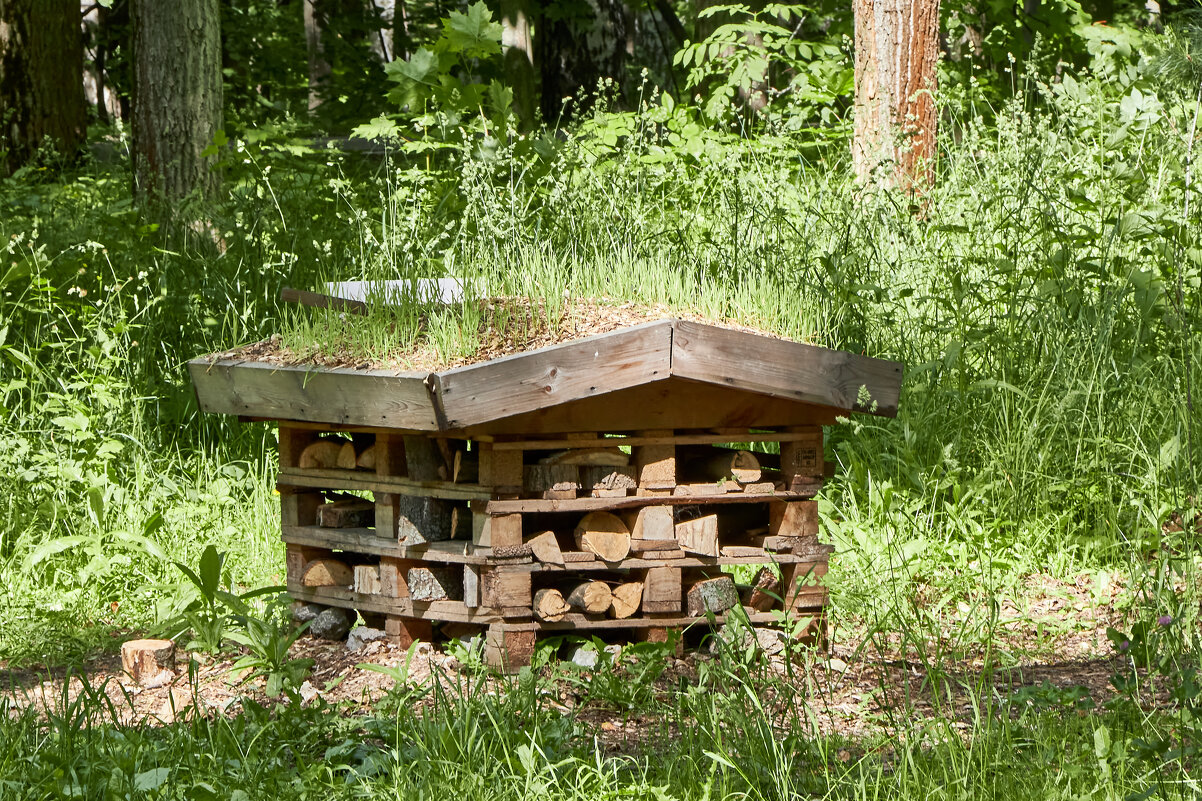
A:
(540, 478)
(605, 535)
(421, 519)
(435, 583)
(593, 597)
(712, 595)
(327, 572)
(549, 605)
(764, 592)
(608, 478)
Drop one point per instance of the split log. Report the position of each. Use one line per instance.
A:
(626, 599)
(465, 468)
(347, 514)
(435, 583)
(712, 595)
(545, 547)
(347, 459)
(662, 590)
(600, 457)
(699, 536)
(593, 597)
(421, 519)
(367, 459)
(651, 523)
(327, 573)
(764, 592)
(322, 454)
(423, 461)
(367, 579)
(549, 605)
(146, 660)
(605, 535)
(716, 464)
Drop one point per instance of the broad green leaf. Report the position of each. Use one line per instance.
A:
(474, 34)
(151, 779)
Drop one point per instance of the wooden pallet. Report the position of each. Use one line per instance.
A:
(416, 529)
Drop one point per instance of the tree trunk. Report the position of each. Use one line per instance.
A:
(576, 53)
(41, 86)
(897, 47)
(177, 96)
(319, 68)
(518, 48)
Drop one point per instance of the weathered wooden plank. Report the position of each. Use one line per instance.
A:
(665, 439)
(784, 369)
(434, 610)
(360, 480)
(365, 540)
(523, 506)
(550, 376)
(327, 395)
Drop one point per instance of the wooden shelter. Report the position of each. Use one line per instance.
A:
(579, 486)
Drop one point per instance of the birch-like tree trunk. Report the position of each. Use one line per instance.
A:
(177, 96)
(41, 86)
(897, 48)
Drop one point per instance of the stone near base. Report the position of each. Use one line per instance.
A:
(331, 624)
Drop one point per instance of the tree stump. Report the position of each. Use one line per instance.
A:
(146, 660)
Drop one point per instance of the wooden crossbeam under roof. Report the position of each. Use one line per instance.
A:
(693, 360)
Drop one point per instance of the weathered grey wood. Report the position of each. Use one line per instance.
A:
(549, 376)
(535, 505)
(785, 369)
(365, 540)
(357, 481)
(608, 478)
(347, 514)
(327, 395)
(345, 598)
(540, 478)
(662, 590)
(435, 583)
(712, 595)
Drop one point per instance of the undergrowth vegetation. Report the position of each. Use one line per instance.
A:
(1044, 296)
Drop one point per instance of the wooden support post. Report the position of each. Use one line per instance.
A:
(656, 464)
(801, 585)
(662, 590)
(508, 649)
(390, 461)
(501, 470)
(405, 631)
(507, 590)
(298, 507)
(393, 582)
(801, 461)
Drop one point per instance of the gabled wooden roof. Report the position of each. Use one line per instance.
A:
(668, 364)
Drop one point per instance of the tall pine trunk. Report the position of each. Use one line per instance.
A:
(177, 96)
(897, 48)
(41, 86)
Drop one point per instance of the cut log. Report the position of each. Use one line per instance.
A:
(465, 468)
(146, 660)
(423, 461)
(662, 590)
(764, 592)
(719, 463)
(605, 535)
(545, 547)
(435, 583)
(714, 595)
(651, 523)
(626, 599)
(549, 605)
(322, 454)
(421, 519)
(699, 536)
(367, 459)
(347, 514)
(327, 573)
(593, 597)
(540, 478)
(601, 457)
(506, 589)
(347, 460)
(608, 478)
(367, 579)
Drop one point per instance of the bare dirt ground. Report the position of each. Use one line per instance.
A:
(863, 683)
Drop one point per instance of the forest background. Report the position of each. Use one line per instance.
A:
(1038, 271)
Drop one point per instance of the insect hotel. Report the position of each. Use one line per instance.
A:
(586, 486)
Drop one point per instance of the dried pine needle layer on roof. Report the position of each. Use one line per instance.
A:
(458, 335)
